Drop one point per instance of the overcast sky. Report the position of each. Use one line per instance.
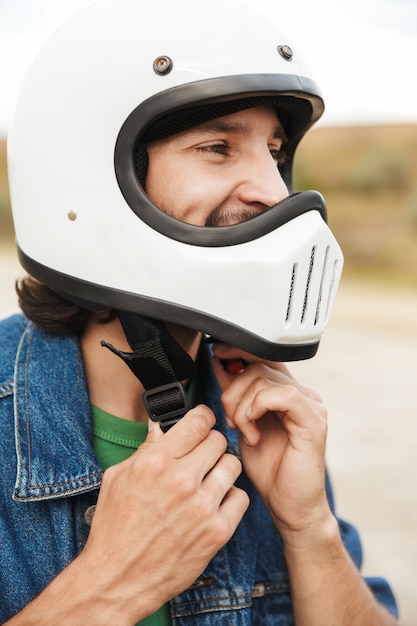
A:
(362, 52)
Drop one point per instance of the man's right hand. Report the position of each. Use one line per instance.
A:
(160, 518)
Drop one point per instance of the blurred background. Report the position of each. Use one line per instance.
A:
(363, 157)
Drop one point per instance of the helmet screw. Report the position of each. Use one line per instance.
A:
(162, 65)
(72, 216)
(286, 52)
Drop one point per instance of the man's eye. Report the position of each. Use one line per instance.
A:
(279, 156)
(217, 148)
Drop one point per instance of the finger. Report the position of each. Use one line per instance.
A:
(224, 379)
(304, 420)
(189, 431)
(277, 372)
(285, 399)
(228, 356)
(233, 507)
(192, 440)
(230, 353)
(247, 403)
(205, 457)
(222, 476)
(238, 372)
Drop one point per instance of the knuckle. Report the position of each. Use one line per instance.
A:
(228, 471)
(201, 421)
(183, 484)
(234, 465)
(293, 394)
(227, 400)
(257, 368)
(111, 475)
(220, 531)
(151, 464)
(223, 526)
(218, 439)
(259, 384)
(314, 395)
(242, 499)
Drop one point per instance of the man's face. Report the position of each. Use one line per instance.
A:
(221, 172)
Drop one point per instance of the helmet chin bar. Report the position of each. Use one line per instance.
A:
(303, 291)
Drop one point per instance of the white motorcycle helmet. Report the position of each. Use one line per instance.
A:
(122, 73)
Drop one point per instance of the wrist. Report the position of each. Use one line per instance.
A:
(318, 535)
(70, 599)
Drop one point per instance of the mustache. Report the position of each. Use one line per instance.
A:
(227, 216)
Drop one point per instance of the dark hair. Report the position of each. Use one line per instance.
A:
(50, 311)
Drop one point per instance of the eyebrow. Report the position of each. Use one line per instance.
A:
(229, 126)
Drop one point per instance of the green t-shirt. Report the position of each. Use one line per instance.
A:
(114, 440)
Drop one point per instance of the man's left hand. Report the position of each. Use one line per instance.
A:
(282, 430)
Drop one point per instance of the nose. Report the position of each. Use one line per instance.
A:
(261, 183)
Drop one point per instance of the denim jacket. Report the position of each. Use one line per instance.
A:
(50, 477)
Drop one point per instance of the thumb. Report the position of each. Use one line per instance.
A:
(154, 431)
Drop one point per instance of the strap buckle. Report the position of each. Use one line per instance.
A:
(166, 404)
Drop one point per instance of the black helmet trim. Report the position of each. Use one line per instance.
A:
(300, 103)
(217, 236)
(97, 297)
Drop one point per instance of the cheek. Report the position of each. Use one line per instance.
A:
(202, 193)
(163, 187)
(187, 198)
(197, 200)
(183, 189)
(154, 185)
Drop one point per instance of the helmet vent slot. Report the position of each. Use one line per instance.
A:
(323, 276)
(331, 288)
(310, 271)
(291, 294)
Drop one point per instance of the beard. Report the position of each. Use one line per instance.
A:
(222, 215)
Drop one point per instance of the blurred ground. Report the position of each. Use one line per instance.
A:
(366, 370)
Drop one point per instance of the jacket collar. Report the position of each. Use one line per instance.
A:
(52, 419)
(53, 416)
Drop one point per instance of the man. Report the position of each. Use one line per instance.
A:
(132, 266)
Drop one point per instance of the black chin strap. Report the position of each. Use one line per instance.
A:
(160, 363)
